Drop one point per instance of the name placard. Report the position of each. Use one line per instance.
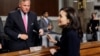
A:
(36, 48)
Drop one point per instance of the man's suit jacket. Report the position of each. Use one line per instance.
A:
(14, 26)
(3, 38)
(1, 30)
(43, 24)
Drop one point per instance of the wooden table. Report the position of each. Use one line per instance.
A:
(87, 49)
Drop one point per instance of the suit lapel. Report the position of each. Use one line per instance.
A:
(20, 21)
(48, 21)
(45, 22)
(29, 22)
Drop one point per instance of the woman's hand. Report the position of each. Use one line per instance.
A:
(97, 27)
(51, 39)
(90, 29)
(52, 51)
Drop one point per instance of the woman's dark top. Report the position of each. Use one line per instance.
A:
(93, 24)
(69, 43)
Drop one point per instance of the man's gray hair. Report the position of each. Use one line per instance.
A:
(23, 0)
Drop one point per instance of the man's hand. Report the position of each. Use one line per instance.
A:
(41, 32)
(23, 36)
(0, 46)
(49, 27)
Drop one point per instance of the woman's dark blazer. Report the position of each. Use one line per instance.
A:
(69, 43)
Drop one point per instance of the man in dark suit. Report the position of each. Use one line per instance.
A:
(22, 27)
(1, 32)
(3, 39)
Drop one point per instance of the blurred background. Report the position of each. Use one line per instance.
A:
(84, 9)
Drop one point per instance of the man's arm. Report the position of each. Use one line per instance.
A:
(9, 30)
(37, 27)
(1, 26)
(1, 29)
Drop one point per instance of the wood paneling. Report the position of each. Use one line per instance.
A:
(36, 5)
(7, 5)
(46, 5)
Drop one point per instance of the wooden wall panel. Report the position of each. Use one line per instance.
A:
(36, 5)
(46, 5)
(7, 5)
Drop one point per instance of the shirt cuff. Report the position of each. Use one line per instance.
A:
(19, 35)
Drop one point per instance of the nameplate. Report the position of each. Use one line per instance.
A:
(36, 48)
